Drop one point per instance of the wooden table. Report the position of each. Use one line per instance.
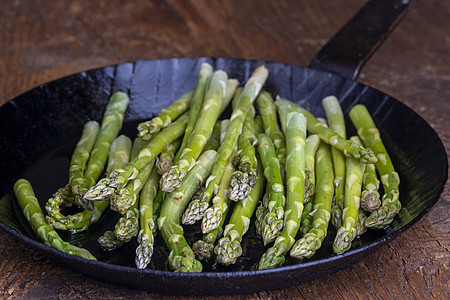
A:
(44, 40)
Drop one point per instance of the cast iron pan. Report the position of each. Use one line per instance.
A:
(40, 128)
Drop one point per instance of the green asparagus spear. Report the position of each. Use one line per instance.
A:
(208, 116)
(229, 248)
(193, 208)
(120, 177)
(119, 155)
(165, 160)
(149, 192)
(157, 203)
(138, 145)
(165, 117)
(268, 113)
(243, 105)
(214, 214)
(370, 197)
(261, 212)
(353, 182)
(336, 122)
(204, 77)
(244, 179)
(366, 155)
(181, 257)
(34, 215)
(214, 140)
(295, 186)
(111, 125)
(307, 218)
(370, 135)
(311, 241)
(259, 127)
(273, 220)
(80, 156)
(312, 143)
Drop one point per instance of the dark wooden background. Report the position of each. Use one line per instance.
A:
(44, 40)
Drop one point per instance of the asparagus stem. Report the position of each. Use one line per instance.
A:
(312, 143)
(336, 122)
(234, 129)
(229, 248)
(370, 135)
(261, 212)
(181, 257)
(307, 218)
(80, 156)
(35, 217)
(273, 220)
(366, 155)
(352, 195)
(148, 128)
(165, 160)
(157, 203)
(214, 140)
(214, 214)
(207, 117)
(111, 125)
(119, 155)
(244, 179)
(311, 241)
(268, 113)
(120, 177)
(138, 145)
(370, 197)
(204, 76)
(295, 186)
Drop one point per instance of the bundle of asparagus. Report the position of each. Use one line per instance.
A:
(188, 164)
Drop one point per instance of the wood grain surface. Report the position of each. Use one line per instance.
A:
(44, 40)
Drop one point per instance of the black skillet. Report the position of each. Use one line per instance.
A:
(39, 130)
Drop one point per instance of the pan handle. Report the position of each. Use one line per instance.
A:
(347, 52)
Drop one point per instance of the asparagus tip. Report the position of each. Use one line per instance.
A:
(171, 179)
(227, 251)
(211, 219)
(203, 250)
(270, 259)
(144, 250)
(272, 226)
(306, 246)
(194, 212)
(343, 240)
(370, 200)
